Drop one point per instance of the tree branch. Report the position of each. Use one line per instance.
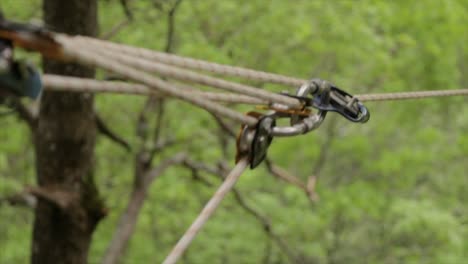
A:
(308, 188)
(264, 221)
(55, 195)
(171, 26)
(224, 125)
(20, 199)
(284, 175)
(324, 149)
(322, 159)
(106, 131)
(24, 113)
(152, 174)
(116, 29)
(126, 9)
(159, 125)
(128, 219)
(142, 123)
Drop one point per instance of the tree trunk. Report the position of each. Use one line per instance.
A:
(69, 207)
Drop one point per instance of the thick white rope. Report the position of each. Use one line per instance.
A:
(93, 59)
(411, 95)
(250, 74)
(74, 84)
(190, 76)
(206, 213)
(194, 64)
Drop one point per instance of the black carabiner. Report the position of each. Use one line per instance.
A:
(343, 103)
(336, 100)
(261, 140)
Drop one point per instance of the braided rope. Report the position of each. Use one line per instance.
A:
(180, 61)
(90, 58)
(411, 95)
(206, 213)
(74, 84)
(194, 64)
(190, 76)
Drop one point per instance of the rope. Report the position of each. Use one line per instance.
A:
(206, 213)
(194, 64)
(412, 95)
(190, 76)
(74, 84)
(92, 59)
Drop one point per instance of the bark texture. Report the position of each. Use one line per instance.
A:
(68, 207)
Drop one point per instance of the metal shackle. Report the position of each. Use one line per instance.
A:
(301, 125)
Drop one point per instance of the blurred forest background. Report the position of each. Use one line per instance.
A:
(393, 190)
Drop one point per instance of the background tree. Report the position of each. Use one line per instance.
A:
(69, 207)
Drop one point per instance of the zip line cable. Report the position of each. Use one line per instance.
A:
(411, 95)
(194, 64)
(74, 84)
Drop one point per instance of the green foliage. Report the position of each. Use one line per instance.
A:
(391, 191)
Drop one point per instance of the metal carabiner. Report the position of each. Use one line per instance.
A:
(254, 142)
(343, 103)
(329, 98)
(304, 124)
